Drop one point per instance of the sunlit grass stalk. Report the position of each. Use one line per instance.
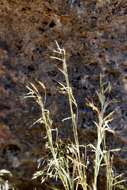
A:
(72, 102)
(45, 115)
(109, 170)
(98, 151)
(102, 126)
(61, 56)
(58, 164)
(113, 181)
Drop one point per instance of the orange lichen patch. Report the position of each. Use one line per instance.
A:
(65, 19)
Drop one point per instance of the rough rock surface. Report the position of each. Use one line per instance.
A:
(95, 37)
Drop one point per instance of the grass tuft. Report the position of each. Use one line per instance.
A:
(68, 165)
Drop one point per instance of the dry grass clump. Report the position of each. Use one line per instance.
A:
(69, 165)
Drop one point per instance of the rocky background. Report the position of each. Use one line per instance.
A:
(94, 34)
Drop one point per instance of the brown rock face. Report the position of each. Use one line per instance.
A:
(95, 38)
(6, 137)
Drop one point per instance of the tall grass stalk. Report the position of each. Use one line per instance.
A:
(113, 181)
(58, 166)
(109, 170)
(81, 167)
(102, 124)
(61, 56)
